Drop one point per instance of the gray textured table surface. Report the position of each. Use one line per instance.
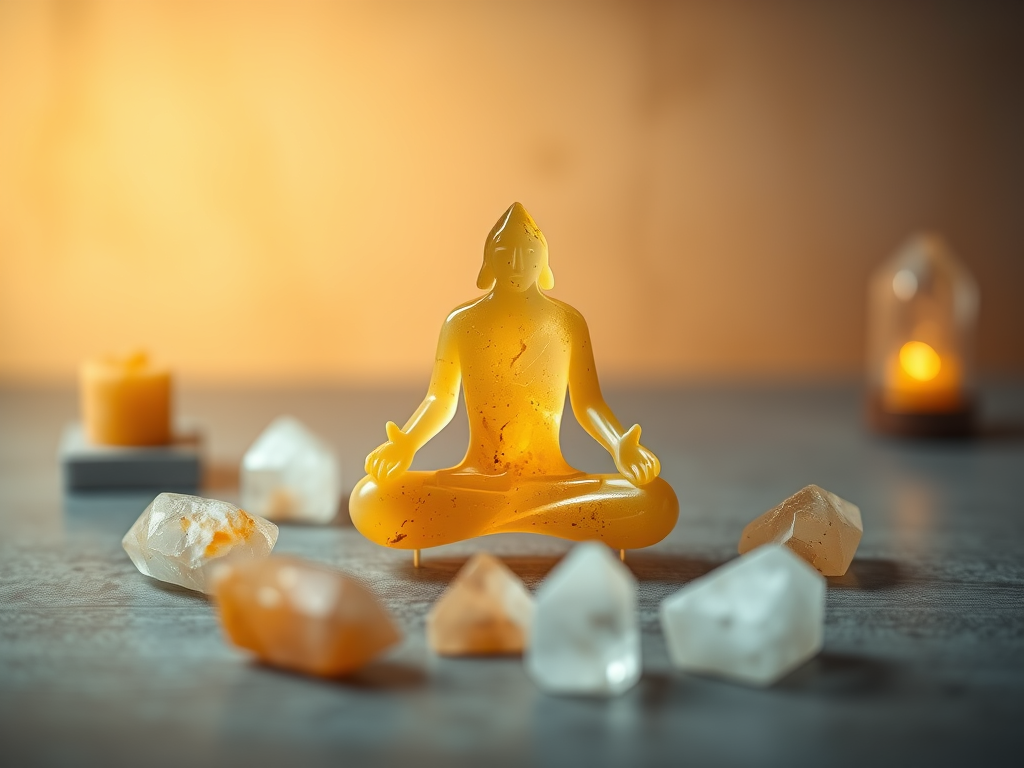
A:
(924, 641)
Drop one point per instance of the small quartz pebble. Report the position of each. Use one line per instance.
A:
(177, 535)
(290, 474)
(586, 637)
(485, 610)
(301, 615)
(751, 620)
(819, 526)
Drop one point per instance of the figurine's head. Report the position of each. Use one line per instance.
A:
(516, 254)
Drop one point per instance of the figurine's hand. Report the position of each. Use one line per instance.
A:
(636, 463)
(393, 457)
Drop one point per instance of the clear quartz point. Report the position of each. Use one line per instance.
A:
(586, 636)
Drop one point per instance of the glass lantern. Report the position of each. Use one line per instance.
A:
(922, 312)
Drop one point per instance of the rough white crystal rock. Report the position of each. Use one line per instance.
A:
(585, 637)
(177, 535)
(752, 620)
(290, 474)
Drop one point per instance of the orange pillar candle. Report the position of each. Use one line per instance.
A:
(126, 401)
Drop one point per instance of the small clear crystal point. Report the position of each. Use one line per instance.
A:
(586, 635)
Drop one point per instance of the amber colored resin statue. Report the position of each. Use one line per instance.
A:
(515, 350)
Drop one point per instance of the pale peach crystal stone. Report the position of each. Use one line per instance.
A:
(485, 610)
(301, 615)
(177, 535)
(819, 526)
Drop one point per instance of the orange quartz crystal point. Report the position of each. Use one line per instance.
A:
(300, 615)
(514, 352)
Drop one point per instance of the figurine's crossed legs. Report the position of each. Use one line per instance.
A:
(427, 509)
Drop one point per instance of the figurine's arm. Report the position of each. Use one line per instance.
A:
(636, 463)
(437, 409)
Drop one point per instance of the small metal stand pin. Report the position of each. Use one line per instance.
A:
(622, 555)
(415, 558)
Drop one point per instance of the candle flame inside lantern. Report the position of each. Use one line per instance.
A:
(920, 361)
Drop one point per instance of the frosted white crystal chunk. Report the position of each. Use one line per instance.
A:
(751, 620)
(585, 637)
(290, 474)
(177, 535)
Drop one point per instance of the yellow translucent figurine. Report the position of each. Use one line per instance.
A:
(515, 351)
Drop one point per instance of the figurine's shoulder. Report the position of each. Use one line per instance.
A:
(462, 312)
(570, 316)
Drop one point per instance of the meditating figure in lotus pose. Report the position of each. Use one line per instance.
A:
(514, 350)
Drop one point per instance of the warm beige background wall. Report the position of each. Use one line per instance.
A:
(267, 192)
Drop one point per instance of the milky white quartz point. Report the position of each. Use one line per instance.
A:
(586, 636)
(290, 474)
(822, 528)
(485, 610)
(752, 620)
(177, 535)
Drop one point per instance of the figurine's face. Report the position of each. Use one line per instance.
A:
(515, 254)
(517, 259)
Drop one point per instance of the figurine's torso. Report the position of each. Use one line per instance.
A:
(515, 354)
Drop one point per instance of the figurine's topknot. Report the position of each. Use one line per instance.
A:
(516, 217)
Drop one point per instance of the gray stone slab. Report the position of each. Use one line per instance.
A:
(88, 467)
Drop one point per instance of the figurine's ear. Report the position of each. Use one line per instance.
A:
(547, 278)
(485, 280)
